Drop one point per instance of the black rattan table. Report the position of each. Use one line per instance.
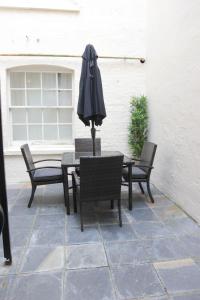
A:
(72, 159)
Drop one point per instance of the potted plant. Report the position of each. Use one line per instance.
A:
(138, 128)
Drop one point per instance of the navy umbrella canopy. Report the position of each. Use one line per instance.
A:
(91, 108)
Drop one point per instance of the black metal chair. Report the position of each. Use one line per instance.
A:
(41, 175)
(1, 219)
(100, 180)
(141, 171)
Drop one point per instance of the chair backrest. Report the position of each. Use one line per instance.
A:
(100, 178)
(147, 156)
(85, 145)
(27, 157)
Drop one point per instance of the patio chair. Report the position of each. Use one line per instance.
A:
(41, 175)
(1, 218)
(100, 180)
(85, 145)
(141, 171)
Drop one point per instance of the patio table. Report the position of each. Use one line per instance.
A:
(72, 159)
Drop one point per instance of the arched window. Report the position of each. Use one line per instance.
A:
(41, 104)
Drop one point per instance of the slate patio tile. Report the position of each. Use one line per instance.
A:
(192, 242)
(94, 284)
(16, 258)
(89, 235)
(40, 286)
(117, 233)
(22, 210)
(169, 212)
(179, 275)
(19, 237)
(111, 217)
(160, 200)
(21, 222)
(165, 249)
(73, 220)
(126, 253)
(85, 256)
(5, 286)
(182, 226)
(140, 215)
(48, 236)
(187, 297)
(38, 259)
(51, 209)
(151, 230)
(46, 221)
(136, 281)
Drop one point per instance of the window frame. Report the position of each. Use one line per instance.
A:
(41, 70)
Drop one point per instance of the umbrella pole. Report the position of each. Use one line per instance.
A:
(93, 134)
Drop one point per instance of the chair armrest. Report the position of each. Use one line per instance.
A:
(143, 166)
(52, 159)
(46, 167)
(76, 178)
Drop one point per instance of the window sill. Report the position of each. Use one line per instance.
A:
(40, 150)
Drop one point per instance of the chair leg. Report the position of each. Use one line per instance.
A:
(141, 187)
(74, 194)
(32, 195)
(120, 215)
(81, 216)
(149, 192)
(112, 204)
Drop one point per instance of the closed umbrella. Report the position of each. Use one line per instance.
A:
(91, 108)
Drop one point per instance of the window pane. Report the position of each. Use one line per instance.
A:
(17, 98)
(50, 132)
(34, 115)
(33, 80)
(49, 80)
(19, 132)
(33, 98)
(64, 81)
(65, 116)
(17, 80)
(35, 132)
(19, 115)
(49, 98)
(65, 98)
(50, 115)
(65, 132)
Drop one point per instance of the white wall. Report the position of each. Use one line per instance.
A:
(115, 28)
(173, 90)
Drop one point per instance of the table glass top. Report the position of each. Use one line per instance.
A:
(71, 159)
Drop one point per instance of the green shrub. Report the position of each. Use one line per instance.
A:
(138, 128)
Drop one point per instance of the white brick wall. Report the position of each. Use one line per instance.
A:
(115, 28)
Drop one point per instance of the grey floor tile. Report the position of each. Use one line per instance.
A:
(22, 210)
(182, 226)
(21, 222)
(151, 230)
(187, 297)
(51, 209)
(165, 249)
(117, 233)
(160, 200)
(48, 236)
(73, 220)
(85, 256)
(90, 284)
(5, 286)
(19, 237)
(111, 217)
(126, 253)
(169, 212)
(46, 221)
(37, 286)
(179, 275)
(89, 235)
(140, 215)
(192, 243)
(136, 281)
(16, 258)
(38, 259)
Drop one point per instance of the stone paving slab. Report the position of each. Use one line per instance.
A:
(117, 233)
(90, 235)
(88, 284)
